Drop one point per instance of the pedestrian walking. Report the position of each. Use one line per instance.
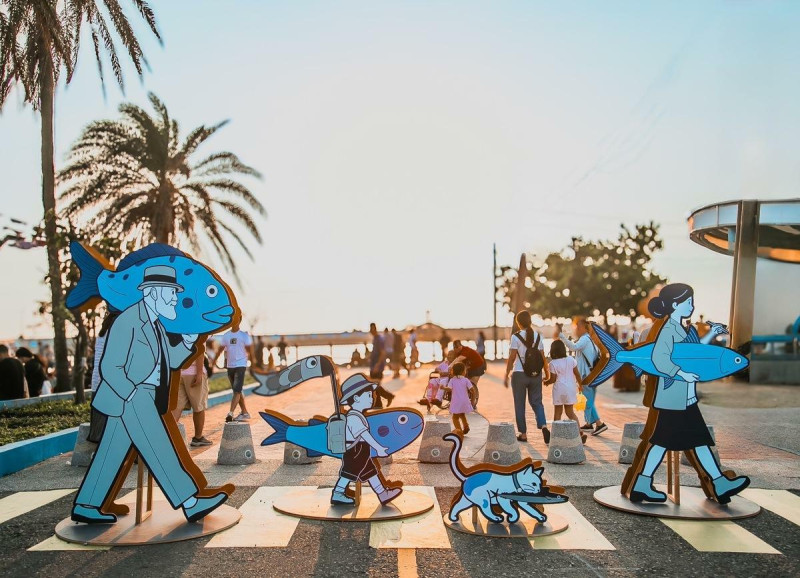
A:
(462, 394)
(236, 344)
(193, 391)
(377, 363)
(526, 377)
(565, 379)
(586, 355)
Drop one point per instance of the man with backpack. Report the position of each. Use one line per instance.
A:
(526, 358)
(586, 355)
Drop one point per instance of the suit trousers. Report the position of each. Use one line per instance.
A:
(139, 426)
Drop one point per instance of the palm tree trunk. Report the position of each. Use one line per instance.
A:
(79, 369)
(47, 97)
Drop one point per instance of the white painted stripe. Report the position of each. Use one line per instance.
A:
(719, 536)
(23, 502)
(424, 531)
(261, 526)
(781, 502)
(407, 563)
(580, 535)
(54, 543)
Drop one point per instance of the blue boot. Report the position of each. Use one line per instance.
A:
(204, 506)
(724, 488)
(91, 515)
(643, 490)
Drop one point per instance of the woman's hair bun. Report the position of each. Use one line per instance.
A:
(657, 307)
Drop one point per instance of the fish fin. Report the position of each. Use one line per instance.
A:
(668, 381)
(313, 454)
(90, 268)
(315, 421)
(637, 371)
(692, 336)
(151, 251)
(613, 347)
(278, 425)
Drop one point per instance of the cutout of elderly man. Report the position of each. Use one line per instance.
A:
(134, 394)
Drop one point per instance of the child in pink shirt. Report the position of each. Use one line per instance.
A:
(461, 392)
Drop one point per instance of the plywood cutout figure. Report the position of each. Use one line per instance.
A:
(166, 301)
(501, 490)
(675, 360)
(357, 436)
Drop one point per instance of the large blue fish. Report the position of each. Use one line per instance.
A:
(205, 305)
(392, 428)
(709, 362)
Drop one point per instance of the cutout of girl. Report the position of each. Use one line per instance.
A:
(680, 425)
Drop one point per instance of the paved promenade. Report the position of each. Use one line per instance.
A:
(758, 433)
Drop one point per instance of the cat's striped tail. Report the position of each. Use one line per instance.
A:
(454, 466)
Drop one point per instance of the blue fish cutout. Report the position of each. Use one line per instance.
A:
(205, 305)
(392, 428)
(709, 362)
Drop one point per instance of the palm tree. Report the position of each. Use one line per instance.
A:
(37, 43)
(135, 178)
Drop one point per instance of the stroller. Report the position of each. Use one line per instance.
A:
(435, 394)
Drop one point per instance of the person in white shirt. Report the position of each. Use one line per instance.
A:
(523, 385)
(586, 355)
(236, 344)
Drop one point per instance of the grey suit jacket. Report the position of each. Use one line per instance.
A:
(130, 357)
(676, 395)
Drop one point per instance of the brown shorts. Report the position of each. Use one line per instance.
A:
(357, 463)
(195, 396)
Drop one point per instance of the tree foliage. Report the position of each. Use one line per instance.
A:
(590, 277)
(137, 178)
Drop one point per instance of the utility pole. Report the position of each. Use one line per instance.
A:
(494, 298)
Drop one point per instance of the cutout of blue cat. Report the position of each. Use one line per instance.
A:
(498, 491)
(164, 301)
(675, 359)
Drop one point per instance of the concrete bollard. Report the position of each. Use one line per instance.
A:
(565, 443)
(295, 455)
(433, 449)
(384, 461)
(84, 449)
(502, 447)
(630, 441)
(182, 429)
(714, 451)
(236, 447)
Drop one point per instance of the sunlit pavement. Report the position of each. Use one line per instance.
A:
(759, 441)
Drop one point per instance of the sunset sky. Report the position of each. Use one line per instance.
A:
(399, 140)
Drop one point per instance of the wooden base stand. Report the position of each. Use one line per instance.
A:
(472, 522)
(154, 522)
(315, 504)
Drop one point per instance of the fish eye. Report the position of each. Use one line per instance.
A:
(737, 359)
(212, 291)
(311, 363)
(402, 420)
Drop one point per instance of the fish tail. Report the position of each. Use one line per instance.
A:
(90, 269)
(454, 465)
(280, 426)
(605, 370)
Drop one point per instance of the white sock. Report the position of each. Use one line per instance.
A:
(190, 503)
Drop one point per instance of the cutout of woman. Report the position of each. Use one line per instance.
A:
(680, 425)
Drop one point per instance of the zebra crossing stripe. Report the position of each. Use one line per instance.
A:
(581, 534)
(424, 531)
(54, 543)
(261, 526)
(23, 502)
(781, 502)
(407, 563)
(718, 536)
